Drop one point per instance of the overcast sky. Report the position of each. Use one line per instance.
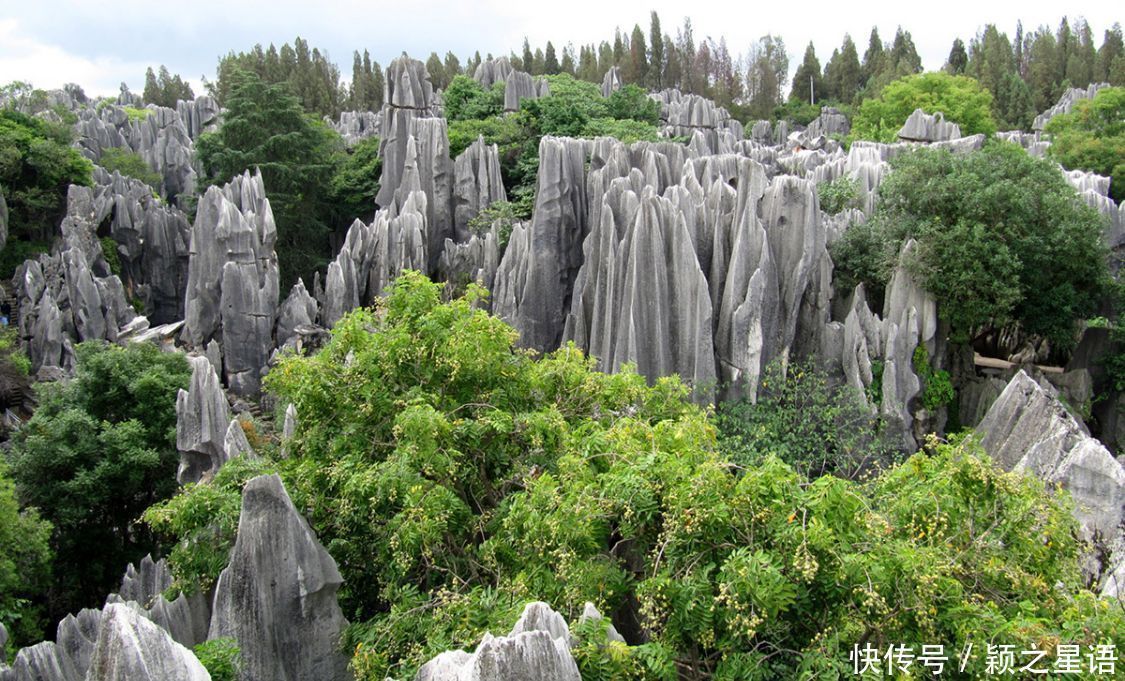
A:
(99, 45)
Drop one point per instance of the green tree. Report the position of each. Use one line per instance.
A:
(264, 127)
(657, 58)
(1002, 238)
(636, 67)
(1092, 137)
(356, 180)
(25, 565)
(813, 426)
(37, 165)
(1111, 58)
(960, 98)
(766, 75)
(98, 451)
(166, 89)
(807, 82)
(958, 59)
(131, 164)
(550, 60)
(842, 73)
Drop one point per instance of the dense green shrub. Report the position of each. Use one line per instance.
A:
(1002, 238)
(455, 477)
(37, 164)
(25, 565)
(98, 451)
(838, 195)
(130, 164)
(813, 426)
(220, 657)
(355, 182)
(960, 98)
(203, 522)
(466, 99)
(1092, 137)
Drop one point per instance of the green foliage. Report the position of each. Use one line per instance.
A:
(12, 357)
(454, 478)
(814, 427)
(128, 163)
(307, 74)
(1002, 238)
(265, 128)
(797, 111)
(355, 182)
(503, 214)
(37, 164)
(627, 130)
(98, 451)
(839, 195)
(466, 99)
(203, 522)
(220, 657)
(109, 250)
(165, 90)
(136, 114)
(16, 251)
(25, 565)
(937, 389)
(960, 98)
(1092, 137)
(633, 103)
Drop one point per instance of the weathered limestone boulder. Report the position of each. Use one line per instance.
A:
(199, 115)
(43, 662)
(492, 71)
(830, 122)
(277, 597)
(299, 308)
(1066, 104)
(144, 582)
(232, 289)
(519, 86)
(1029, 430)
(611, 82)
(355, 126)
(538, 647)
(70, 296)
(923, 127)
(3, 220)
(407, 94)
(159, 137)
(151, 241)
(641, 296)
(685, 114)
(77, 635)
(477, 184)
(132, 648)
(202, 420)
(537, 273)
(373, 255)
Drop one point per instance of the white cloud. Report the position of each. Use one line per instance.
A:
(47, 66)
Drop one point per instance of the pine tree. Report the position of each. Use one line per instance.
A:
(358, 93)
(376, 86)
(538, 63)
(657, 64)
(1043, 75)
(847, 74)
(452, 67)
(1112, 49)
(636, 70)
(872, 59)
(526, 57)
(550, 60)
(673, 68)
(766, 75)
(808, 85)
(568, 63)
(958, 59)
(151, 93)
(618, 49)
(437, 71)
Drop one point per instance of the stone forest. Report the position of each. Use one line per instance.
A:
(617, 361)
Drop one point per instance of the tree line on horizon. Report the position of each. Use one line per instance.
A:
(1025, 73)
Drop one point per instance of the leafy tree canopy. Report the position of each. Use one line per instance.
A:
(960, 98)
(455, 477)
(99, 450)
(1002, 238)
(1092, 137)
(265, 127)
